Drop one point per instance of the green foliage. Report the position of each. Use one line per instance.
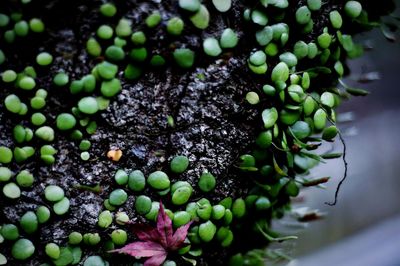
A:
(295, 114)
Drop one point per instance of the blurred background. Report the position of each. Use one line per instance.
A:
(364, 227)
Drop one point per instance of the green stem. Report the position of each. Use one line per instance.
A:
(275, 239)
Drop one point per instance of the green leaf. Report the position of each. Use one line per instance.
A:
(329, 133)
(357, 92)
(3, 259)
(328, 99)
(269, 116)
(312, 156)
(290, 159)
(247, 160)
(94, 189)
(353, 91)
(196, 252)
(304, 162)
(280, 72)
(76, 254)
(276, 188)
(292, 107)
(279, 3)
(278, 169)
(265, 187)
(347, 42)
(363, 21)
(201, 18)
(191, 261)
(315, 71)
(248, 168)
(300, 129)
(65, 258)
(264, 36)
(222, 5)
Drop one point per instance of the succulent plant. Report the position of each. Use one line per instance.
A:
(295, 66)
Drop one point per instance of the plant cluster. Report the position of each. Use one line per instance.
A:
(297, 69)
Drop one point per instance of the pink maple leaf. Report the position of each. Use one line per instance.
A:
(156, 242)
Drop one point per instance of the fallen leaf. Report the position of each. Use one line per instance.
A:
(155, 260)
(164, 227)
(142, 249)
(156, 242)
